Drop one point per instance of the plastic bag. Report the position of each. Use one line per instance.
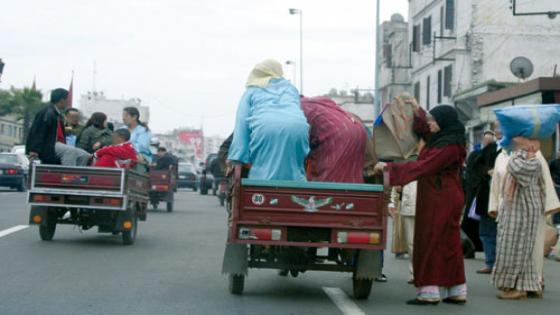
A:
(530, 121)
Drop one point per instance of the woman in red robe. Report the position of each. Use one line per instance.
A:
(438, 256)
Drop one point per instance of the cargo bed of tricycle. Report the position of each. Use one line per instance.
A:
(111, 199)
(299, 226)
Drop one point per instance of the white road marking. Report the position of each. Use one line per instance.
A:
(343, 302)
(11, 230)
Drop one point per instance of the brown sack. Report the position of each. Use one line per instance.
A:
(394, 137)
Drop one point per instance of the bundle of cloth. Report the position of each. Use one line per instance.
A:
(529, 121)
(394, 130)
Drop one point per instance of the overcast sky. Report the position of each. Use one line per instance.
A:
(186, 59)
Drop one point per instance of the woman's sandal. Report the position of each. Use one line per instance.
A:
(455, 301)
(422, 302)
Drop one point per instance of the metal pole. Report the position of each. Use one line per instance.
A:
(377, 60)
(301, 52)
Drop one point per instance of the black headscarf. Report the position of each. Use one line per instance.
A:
(452, 130)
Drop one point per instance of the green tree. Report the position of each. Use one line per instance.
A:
(24, 103)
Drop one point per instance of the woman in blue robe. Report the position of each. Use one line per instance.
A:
(271, 131)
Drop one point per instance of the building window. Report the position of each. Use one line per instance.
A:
(439, 86)
(1, 129)
(416, 38)
(447, 78)
(450, 15)
(388, 54)
(428, 93)
(441, 21)
(427, 31)
(417, 91)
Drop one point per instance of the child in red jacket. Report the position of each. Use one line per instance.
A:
(119, 155)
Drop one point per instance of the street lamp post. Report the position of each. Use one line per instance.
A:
(292, 63)
(1, 69)
(378, 44)
(300, 13)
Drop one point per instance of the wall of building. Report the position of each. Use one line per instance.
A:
(11, 132)
(485, 39)
(113, 108)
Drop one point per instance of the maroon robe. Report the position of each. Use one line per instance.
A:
(438, 254)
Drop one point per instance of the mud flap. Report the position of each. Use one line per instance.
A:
(40, 211)
(368, 265)
(236, 260)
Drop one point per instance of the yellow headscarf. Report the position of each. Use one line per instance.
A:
(264, 72)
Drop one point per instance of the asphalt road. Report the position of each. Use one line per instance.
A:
(174, 268)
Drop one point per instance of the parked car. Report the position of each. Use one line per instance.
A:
(20, 150)
(13, 169)
(187, 176)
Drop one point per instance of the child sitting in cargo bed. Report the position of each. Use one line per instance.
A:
(119, 155)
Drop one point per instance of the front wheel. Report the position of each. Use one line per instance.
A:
(48, 228)
(222, 201)
(170, 207)
(236, 284)
(129, 236)
(362, 288)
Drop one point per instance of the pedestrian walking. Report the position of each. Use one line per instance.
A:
(438, 264)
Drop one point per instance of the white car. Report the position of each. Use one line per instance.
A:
(24, 161)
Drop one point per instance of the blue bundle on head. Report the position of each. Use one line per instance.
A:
(530, 121)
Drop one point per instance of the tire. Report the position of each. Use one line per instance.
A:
(128, 237)
(236, 284)
(222, 201)
(48, 228)
(155, 205)
(170, 207)
(362, 288)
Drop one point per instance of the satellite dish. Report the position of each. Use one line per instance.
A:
(521, 67)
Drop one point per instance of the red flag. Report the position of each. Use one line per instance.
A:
(70, 91)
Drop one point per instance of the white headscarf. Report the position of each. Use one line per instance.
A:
(264, 72)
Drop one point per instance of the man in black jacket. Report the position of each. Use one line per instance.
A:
(47, 129)
(165, 160)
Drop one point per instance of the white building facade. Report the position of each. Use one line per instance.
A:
(97, 102)
(460, 45)
(395, 64)
(11, 132)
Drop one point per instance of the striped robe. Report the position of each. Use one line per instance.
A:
(518, 222)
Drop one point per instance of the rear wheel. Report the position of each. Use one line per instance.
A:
(362, 288)
(169, 206)
(222, 201)
(129, 236)
(155, 205)
(48, 228)
(236, 284)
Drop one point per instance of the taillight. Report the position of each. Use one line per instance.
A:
(373, 238)
(10, 171)
(160, 187)
(260, 234)
(40, 198)
(112, 202)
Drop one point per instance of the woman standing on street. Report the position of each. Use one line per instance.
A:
(515, 272)
(438, 256)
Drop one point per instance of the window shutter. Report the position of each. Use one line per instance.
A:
(428, 93)
(450, 14)
(427, 31)
(417, 91)
(448, 77)
(439, 86)
(415, 38)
